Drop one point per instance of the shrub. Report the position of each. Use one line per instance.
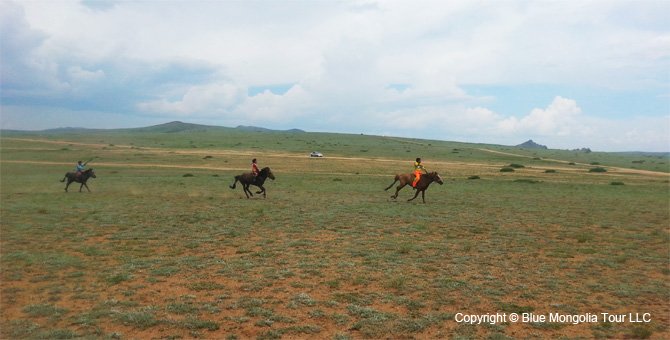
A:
(617, 183)
(598, 169)
(474, 177)
(516, 166)
(188, 175)
(506, 169)
(550, 171)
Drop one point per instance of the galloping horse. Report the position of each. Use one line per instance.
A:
(421, 185)
(247, 179)
(72, 177)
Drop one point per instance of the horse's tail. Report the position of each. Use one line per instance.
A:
(237, 178)
(397, 177)
(64, 178)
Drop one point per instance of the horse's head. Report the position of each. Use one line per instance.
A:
(437, 178)
(90, 173)
(269, 173)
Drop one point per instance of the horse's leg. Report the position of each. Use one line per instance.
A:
(423, 195)
(397, 190)
(86, 185)
(247, 192)
(415, 194)
(67, 185)
(262, 191)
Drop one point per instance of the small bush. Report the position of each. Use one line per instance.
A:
(516, 166)
(506, 169)
(617, 183)
(598, 169)
(550, 171)
(188, 175)
(474, 177)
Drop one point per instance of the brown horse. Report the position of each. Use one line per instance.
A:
(72, 177)
(421, 186)
(247, 179)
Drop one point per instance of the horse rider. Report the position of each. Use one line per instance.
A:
(418, 166)
(254, 168)
(80, 169)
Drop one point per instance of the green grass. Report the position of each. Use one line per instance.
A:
(150, 253)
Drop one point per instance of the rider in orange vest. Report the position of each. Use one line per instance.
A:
(418, 166)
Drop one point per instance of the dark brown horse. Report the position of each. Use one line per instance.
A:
(72, 177)
(421, 186)
(247, 179)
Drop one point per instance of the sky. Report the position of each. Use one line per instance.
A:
(566, 74)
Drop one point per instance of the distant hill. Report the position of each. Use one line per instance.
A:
(260, 129)
(532, 145)
(171, 127)
(177, 127)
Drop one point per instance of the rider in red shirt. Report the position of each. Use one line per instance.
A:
(254, 168)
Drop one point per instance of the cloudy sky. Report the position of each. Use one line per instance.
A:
(567, 74)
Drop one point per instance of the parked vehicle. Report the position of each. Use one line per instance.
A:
(316, 154)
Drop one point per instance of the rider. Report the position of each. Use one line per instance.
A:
(254, 168)
(418, 166)
(80, 169)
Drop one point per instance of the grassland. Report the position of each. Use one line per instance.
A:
(163, 249)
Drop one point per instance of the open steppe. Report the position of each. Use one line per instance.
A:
(162, 248)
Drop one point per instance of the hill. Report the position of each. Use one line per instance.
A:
(532, 145)
(178, 127)
(260, 129)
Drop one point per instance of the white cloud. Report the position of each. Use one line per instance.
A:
(206, 100)
(78, 74)
(560, 118)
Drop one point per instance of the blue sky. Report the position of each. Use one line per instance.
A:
(567, 74)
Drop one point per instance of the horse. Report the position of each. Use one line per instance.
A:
(247, 179)
(421, 185)
(72, 177)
